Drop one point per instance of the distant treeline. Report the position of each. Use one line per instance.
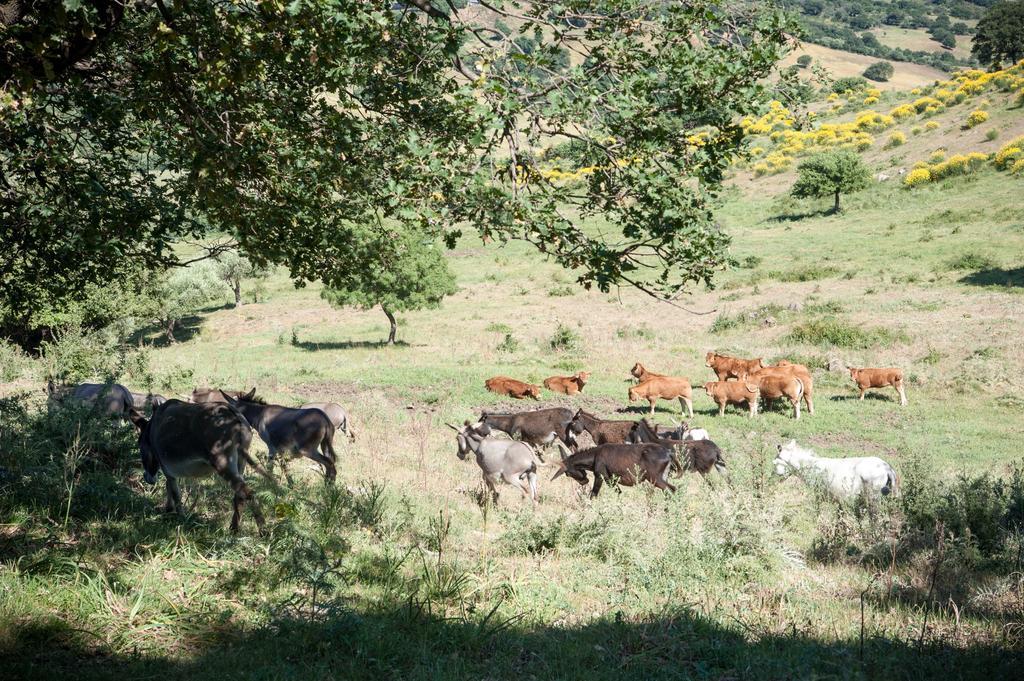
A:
(846, 24)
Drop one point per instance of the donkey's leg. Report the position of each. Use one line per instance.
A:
(494, 490)
(330, 471)
(173, 502)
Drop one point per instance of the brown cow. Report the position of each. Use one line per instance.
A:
(733, 392)
(641, 374)
(727, 367)
(804, 374)
(567, 385)
(665, 388)
(503, 385)
(879, 378)
(778, 382)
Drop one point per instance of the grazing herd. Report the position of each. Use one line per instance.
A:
(210, 432)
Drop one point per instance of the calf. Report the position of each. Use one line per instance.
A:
(733, 392)
(503, 385)
(879, 378)
(628, 464)
(542, 427)
(143, 401)
(687, 455)
(603, 432)
(567, 385)
(778, 382)
(727, 367)
(664, 388)
(506, 460)
(641, 374)
(804, 374)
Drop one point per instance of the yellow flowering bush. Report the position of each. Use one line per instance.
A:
(868, 101)
(922, 104)
(1018, 167)
(864, 142)
(873, 121)
(931, 125)
(937, 155)
(1009, 154)
(903, 111)
(917, 177)
(916, 91)
(976, 117)
(896, 139)
(756, 151)
(832, 97)
(873, 92)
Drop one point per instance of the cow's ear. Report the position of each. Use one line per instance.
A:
(137, 419)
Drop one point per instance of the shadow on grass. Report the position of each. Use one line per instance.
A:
(881, 397)
(405, 641)
(996, 276)
(310, 346)
(186, 328)
(645, 410)
(797, 217)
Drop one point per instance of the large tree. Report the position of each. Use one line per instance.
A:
(125, 127)
(398, 270)
(999, 35)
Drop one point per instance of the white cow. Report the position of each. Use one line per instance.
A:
(845, 479)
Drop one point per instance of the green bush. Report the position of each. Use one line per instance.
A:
(842, 85)
(970, 261)
(509, 344)
(13, 362)
(880, 71)
(836, 332)
(806, 273)
(565, 339)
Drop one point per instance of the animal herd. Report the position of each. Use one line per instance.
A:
(210, 432)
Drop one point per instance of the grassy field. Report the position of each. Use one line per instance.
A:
(400, 571)
(841, 64)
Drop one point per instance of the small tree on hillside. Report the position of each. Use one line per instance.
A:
(234, 268)
(831, 174)
(803, 61)
(880, 71)
(396, 270)
(999, 36)
(173, 296)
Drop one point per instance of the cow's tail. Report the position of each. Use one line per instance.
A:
(891, 483)
(346, 427)
(799, 388)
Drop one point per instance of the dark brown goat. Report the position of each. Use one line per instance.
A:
(623, 463)
(687, 455)
(603, 432)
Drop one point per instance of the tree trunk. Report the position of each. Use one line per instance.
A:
(394, 325)
(170, 331)
(237, 288)
(836, 208)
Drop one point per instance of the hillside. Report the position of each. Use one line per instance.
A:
(403, 570)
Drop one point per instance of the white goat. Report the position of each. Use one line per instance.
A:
(500, 459)
(845, 479)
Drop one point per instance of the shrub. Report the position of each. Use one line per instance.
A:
(565, 339)
(13, 362)
(931, 125)
(806, 273)
(849, 83)
(991, 135)
(922, 104)
(561, 290)
(971, 261)
(640, 332)
(937, 155)
(902, 112)
(803, 61)
(509, 344)
(895, 140)
(917, 177)
(868, 101)
(880, 71)
(835, 332)
(916, 130)
(1009, 154)
(976, 118)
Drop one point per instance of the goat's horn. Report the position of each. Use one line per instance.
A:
(560, 471)
(452, 427)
